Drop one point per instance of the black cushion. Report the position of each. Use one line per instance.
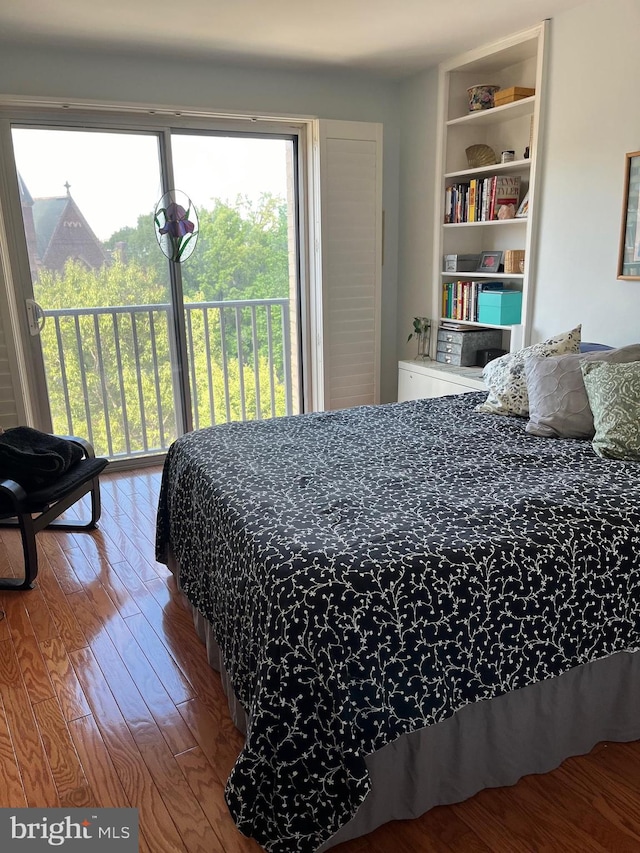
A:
(39, 499)
(36, 459)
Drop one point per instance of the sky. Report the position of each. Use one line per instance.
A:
(115, 177)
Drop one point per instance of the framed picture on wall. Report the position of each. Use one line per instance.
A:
(629, 255)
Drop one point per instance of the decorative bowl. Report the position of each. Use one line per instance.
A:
(481, 96)
(480, 155)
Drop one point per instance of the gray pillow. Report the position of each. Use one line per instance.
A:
(558, 402)
(614, 395)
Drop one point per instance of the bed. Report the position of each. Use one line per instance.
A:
(407, 602)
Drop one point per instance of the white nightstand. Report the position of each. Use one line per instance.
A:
(418, 379)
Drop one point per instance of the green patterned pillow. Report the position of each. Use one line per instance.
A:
(614, 396)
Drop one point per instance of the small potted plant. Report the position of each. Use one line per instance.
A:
(422, 333)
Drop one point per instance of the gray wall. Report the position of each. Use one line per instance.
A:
(592, 121)
(417, 185)
(131, 79)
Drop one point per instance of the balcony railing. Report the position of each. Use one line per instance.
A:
(112, 372)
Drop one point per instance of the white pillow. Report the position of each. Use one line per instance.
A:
(505, 376)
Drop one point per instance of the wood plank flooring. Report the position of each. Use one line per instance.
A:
(106, 699)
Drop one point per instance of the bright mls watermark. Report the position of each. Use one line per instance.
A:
(80, 830)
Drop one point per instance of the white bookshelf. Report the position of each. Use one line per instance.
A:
(513, 61)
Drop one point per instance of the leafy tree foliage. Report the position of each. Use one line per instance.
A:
(110, 373)
(242, 251)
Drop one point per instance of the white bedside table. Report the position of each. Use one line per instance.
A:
(418, 379)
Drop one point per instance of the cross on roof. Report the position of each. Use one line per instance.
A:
(68, 187)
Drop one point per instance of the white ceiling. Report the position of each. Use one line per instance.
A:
(390, 38)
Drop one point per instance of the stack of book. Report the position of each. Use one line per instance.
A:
(460, 298)
(480, 199)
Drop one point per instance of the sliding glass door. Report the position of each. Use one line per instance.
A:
(240, 285)
(138, 348)
(102, 287)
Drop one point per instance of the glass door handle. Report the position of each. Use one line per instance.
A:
(35, 317)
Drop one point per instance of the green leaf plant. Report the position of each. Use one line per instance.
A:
(422, 333)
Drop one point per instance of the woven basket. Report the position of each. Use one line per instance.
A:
(513, 259)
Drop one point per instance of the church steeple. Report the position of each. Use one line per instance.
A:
(27, 203)
(25, 196)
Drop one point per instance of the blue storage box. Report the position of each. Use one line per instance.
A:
(500, 307)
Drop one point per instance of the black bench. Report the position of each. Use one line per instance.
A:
(36, 509)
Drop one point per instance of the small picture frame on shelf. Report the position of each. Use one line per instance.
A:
(523, 210)
(629, 254)
(489, 262)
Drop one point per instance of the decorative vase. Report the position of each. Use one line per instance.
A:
(424, 341)
(481, 97)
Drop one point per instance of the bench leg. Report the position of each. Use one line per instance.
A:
(93, 486)
(29, 526)
(28, 533)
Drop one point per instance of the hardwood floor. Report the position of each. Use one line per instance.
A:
(106, 699)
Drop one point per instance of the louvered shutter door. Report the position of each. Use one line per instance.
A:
(350, 247)
(8, 407)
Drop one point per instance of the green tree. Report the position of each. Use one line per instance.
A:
(242, 251)
(139, 245)
(116, 366)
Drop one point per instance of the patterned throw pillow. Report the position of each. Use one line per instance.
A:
(614, 396)
(505, 377)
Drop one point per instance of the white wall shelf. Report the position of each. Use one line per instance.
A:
(477, 275)
(480, 325)
(515, 167)
(494, 223)
(507, 112)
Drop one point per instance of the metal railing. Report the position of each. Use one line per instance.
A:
(112, 372)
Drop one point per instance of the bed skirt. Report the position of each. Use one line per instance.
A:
(487, 744)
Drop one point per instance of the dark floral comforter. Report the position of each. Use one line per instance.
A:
(370, 571)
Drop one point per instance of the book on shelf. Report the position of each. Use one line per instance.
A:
(456, 203)
(460, 298)
(480, 199)
(456, 300)
(491, 199)
(448, 190)
(451, 326)
(507, 192)
(473, 200)
(523, 211)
